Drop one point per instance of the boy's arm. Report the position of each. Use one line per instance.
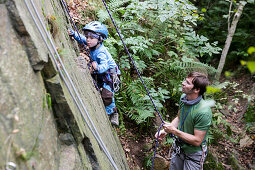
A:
(77, 37)
(103, 66)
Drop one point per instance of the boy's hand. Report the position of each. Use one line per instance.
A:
(91, 70)
(85, 57)
(70, 32)
(94, 65)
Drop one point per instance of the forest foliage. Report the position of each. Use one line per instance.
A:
(162, 41)
(167, 39)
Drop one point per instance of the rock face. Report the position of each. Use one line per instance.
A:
(42, 126)
(161, 163)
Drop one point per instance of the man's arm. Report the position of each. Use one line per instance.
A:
(194, 140)
(162, 132)
(175, 122)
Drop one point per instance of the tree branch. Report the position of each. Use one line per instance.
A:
(230, 35)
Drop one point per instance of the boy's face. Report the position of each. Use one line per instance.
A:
(91, 38)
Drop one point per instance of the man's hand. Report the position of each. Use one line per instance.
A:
(169, 128)
(162, 134)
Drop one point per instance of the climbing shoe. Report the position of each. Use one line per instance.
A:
(114, 118)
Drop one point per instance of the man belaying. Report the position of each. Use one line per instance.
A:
(103, 68)
(191, 126)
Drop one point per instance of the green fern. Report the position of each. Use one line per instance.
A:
(116, 4)
(102, 15)
(141, 109)
(189, 65)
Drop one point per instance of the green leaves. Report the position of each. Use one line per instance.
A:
(47, 101)
(161, 40)
(251, 66)
(140, 107)
(210, 89)
(251, 50)
(250, 1)
(201, 44)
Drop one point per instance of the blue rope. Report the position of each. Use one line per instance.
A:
(185, 116)
(140, 79)
(88, 52)
(63, 2)
(156, 146)
(133, 62)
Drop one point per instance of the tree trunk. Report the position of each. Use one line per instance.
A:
(231, 32)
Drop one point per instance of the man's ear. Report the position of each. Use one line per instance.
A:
(197, 90)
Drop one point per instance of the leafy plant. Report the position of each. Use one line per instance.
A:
(250, 113)
(141, 108)
(148, 161)
(220, 127)
(164, 46)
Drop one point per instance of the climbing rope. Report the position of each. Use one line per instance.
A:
(89, 55)
(84, 46)
(93, 129)
(133, 62)
(139, 77)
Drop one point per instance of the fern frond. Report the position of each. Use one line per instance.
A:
(115, 4)
(102, 15)
(191, 65)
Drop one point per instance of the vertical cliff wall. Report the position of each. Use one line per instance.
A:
(41, 127)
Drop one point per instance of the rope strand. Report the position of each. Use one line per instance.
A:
(156, 146)
(89, 55)
(141, 81)
(133, 62)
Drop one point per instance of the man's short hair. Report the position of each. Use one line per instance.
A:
(200, 81)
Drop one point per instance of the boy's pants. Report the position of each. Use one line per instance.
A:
(111, 107)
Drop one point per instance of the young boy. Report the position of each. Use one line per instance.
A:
(105, 68)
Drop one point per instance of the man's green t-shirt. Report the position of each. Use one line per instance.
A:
(199, 117)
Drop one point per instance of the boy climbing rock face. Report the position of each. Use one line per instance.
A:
(103, 68)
